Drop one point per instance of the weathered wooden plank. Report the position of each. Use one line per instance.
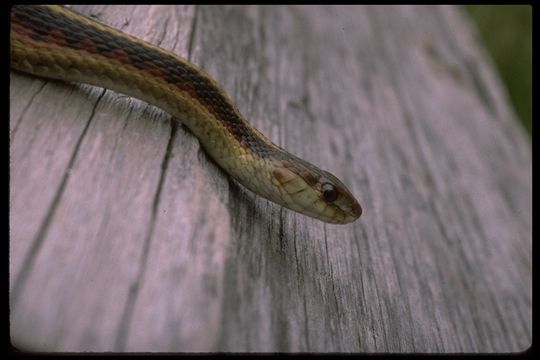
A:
(124, 236)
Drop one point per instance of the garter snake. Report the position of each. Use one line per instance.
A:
(58, 43)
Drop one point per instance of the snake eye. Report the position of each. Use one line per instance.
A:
(329, 192)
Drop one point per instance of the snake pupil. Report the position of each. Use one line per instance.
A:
(329, 192)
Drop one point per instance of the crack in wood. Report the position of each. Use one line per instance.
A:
(192, 33)
(27, 106)
(37, 243)
(122, 333)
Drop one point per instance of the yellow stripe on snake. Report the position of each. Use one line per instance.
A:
(58, 43)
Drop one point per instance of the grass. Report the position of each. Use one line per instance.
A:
(507, 34)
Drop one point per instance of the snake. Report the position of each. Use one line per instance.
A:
(55, 42)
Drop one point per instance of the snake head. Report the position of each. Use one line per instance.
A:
(311, 191)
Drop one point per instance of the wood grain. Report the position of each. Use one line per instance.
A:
(124, 236)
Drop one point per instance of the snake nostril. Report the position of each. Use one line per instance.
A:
(356, 209)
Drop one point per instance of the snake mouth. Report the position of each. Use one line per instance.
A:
(351, 213)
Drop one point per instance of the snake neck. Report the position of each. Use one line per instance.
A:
(96, 54)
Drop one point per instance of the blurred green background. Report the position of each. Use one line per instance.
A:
(507, 34)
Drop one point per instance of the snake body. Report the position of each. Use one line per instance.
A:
(58, 43)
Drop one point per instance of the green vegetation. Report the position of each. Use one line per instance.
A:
(507, 33)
